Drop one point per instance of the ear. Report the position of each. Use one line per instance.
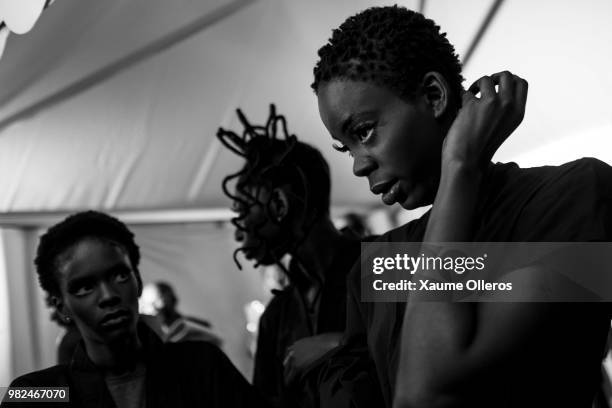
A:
(58, 304)
(279, 204)
(436, 92)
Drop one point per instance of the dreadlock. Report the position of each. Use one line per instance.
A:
(392, 47)
(275, 158)
(89, 224)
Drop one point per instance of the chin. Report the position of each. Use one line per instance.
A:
(255, 255)
(258, 256)
(418, 198)
(269, 259)
(265, 261)
(408, 202)
(115, 337)
(121, 330)
(261, 256)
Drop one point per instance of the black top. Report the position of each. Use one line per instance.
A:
(187, 374)
(286, 320)
(568, 203)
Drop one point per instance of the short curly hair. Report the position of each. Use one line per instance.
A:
(392, 47)
(76, 227)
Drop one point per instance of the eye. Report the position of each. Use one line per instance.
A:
(342, 148)
(82, 290)
(364, 132)
(122, 276)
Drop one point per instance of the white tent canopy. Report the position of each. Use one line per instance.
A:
(114, 105)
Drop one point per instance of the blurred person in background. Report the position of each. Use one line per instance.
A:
(159, 299)
(354, 225)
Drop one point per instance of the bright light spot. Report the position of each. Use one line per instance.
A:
(20, 15)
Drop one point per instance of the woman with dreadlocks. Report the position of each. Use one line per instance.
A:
(282, 197)
(389, 91)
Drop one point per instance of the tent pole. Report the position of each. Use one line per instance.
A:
(481, 31)
(422, 6)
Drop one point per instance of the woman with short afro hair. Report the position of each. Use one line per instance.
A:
(88, 264)
(388, 85)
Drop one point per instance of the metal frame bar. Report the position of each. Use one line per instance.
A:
(481, 31)
(422, 4)
(145, 217)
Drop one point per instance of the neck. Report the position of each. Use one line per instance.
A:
(116, 357)
(318, 248)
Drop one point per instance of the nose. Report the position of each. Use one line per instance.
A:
(362, 166)
(108, 295)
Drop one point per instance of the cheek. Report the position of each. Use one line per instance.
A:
(257, 216)
(129, 296)
(412, 148)
(266, 232)
(258, 219)
(396, 152)
(82, 310)
(134, 289)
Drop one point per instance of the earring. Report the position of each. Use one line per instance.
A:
(67, 319)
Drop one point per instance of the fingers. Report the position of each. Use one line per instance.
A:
(485, 86)
(288, 357)
(506, 82)
(466, 97)
(510, 87)
(491, 116)
(521, 94)
(288, 370)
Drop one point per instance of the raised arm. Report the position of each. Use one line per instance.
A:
(446, 346)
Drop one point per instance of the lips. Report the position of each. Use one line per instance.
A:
(382, 187)
(114, 318)
(390, 191)
(392, 194)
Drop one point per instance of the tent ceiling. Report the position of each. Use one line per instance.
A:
(154, 80)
